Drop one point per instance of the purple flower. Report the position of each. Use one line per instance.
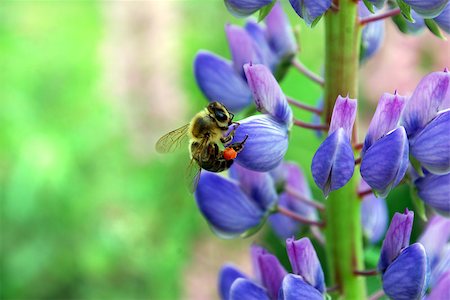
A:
(333, 163)
(289, 175)
(427, 9)
(431, 95)
(434, 191)
(397, 238)
(273, 45)
(441, 290)
(431, 146)
(245, 289)
(269, 97)
(227, 275)
(404, 268)
(309, 10)
(382, 169)
(406, 277)
(304, 262)
(372, 35)
(434, 238)
(232, 209)
(295, 288)
(269, 274)
(374, 215)
(443, 20)
(243, 8)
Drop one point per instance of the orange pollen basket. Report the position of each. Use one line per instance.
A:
(229, 153)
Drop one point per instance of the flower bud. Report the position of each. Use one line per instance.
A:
(309, 10)
(397, 238)
(406, 277)
(304, 262)
(244, 289)
(227, 275)
(244, 8)
(427, 9)
(434, 191)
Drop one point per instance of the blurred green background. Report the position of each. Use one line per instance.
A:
(88, 210)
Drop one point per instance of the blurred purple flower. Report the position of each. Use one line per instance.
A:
(333, 163)
(382, 169)
(273, 45)
(290, 176)
(372, 35)
(374, 215)
(443, 20)
(434, 191)
(269, 274)
(295, 288)
(304, 262)
(441, 290)
(244, 8)
(427, 9)
(309, 10)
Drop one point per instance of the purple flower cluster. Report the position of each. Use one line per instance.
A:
(272, 45)
(271, 280)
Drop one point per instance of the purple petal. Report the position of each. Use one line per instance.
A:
(427, 9)
(431, 95)
(344, 114)
(397, 238)
(443, 20)
(406, 277)
(225, 206)
(333, 163)
(227, 275)
(441, 290)
(258, 186)
(383, 169)
(417, 26)
(434, 191)
(431, 146)
(294, 288)
(385, 118)
(242, 47)
(374, 217)
(267, 93)
(258, 34)
(304, 262)
(435, 236)
(255, 252)
(279, 33)
(372, 35)
(378, 3)
(244, 289)
(282, 225)
(296, 179)
(243, 8)
(442, 267)
(266, 144)
(219, 81)
(272, 273)
(309, 10)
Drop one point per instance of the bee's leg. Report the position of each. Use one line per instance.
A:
(226, 139)
(239, 146)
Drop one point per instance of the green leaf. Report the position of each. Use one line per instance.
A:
(264, 11)
(401, 23)
(419, 205)
(316, 21)
(433, 27)
(369, 6)
(406, 10)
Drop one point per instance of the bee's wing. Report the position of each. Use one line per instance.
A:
(173, 140)
(193, 170)
(193, 175)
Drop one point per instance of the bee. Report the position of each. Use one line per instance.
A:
(206, 130)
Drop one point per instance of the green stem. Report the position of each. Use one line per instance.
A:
(343, 231)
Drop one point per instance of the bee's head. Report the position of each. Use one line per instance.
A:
(220, 113)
